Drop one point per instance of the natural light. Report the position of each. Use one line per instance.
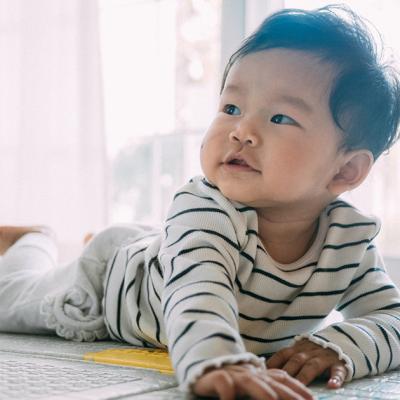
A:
(119, 115)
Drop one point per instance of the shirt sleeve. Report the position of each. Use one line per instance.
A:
(200, 258)
(368, 339)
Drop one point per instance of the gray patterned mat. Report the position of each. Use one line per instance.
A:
(41, 367)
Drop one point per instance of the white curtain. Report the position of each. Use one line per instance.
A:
(52, 147)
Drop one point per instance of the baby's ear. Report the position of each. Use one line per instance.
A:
(354, 169)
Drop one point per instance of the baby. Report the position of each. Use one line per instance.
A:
(255, 254)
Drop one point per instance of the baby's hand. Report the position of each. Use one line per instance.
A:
(306, 361)
(232, 381)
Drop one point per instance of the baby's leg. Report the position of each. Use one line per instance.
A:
(35, 293)
(27, 274)
(76, 312)
(101, 246)
(10, 234)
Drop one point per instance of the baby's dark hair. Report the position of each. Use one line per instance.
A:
(365, 96)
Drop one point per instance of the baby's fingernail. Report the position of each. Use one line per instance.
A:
(334, 381)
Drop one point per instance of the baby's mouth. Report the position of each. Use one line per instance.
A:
(236, 161)
(239, 163)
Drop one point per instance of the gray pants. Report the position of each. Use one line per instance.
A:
(39, 296)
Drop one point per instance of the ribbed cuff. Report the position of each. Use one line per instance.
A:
(73, 325)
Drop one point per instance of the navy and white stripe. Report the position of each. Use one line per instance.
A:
(207, 290)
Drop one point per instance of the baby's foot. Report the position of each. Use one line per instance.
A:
(10, 234)
(87, 237)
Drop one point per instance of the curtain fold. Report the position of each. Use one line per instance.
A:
(52, 145)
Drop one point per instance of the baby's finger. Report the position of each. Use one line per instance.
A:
(338, 373)
(313, 368)
(296, 362)
(216, 383)
(280, 357)
(296, 386)
(256, 387)
(225, 388)
(286, 393)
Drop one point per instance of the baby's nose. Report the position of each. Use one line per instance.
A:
(245, 133)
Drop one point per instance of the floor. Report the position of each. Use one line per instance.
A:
(41, 367)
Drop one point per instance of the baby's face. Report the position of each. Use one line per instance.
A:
(273, 141)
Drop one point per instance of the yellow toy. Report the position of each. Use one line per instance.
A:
(154, 359)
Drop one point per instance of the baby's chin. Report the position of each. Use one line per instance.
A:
(231, 192)
(236, 196)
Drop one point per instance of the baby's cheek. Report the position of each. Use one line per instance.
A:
(204, 161)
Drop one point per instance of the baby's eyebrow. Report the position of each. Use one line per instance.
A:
(232, 87)
(296, 102)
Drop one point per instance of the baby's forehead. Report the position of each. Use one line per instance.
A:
(284, 71)
(278, 61)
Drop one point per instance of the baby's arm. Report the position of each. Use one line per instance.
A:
(200, 257)
(368, 340)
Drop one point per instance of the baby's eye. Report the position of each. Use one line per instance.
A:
(283, 119)
(231, 109)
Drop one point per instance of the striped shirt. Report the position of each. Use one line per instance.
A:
(206, 289)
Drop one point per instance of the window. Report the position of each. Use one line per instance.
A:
(161, 77)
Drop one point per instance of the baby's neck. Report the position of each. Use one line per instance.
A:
(287, 241)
